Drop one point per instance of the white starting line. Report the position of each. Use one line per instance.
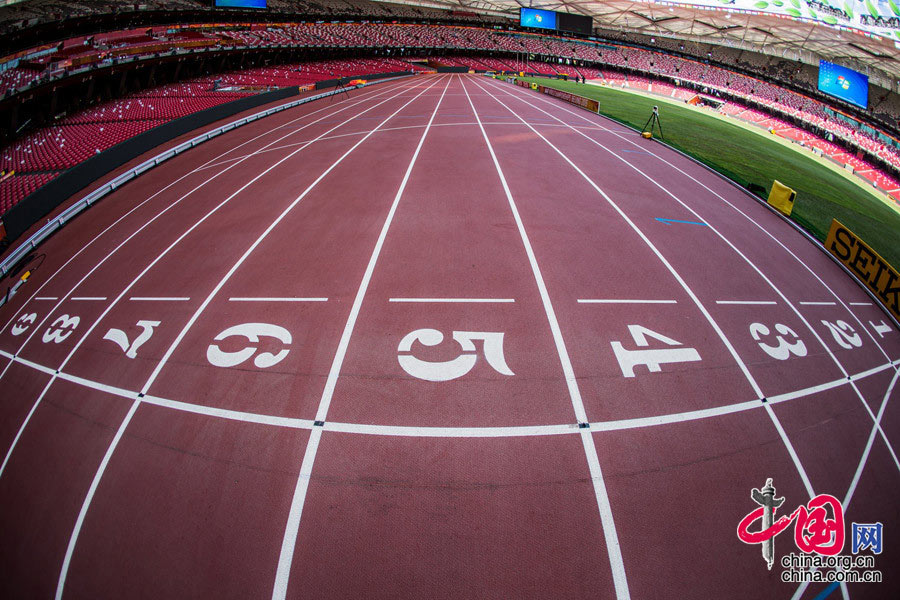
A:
(437, 431)
(748, 302)
(456, 300)
(622, 301)
(278, 299)
(159, 299)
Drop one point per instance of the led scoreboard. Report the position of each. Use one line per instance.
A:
(555, 21)
(239, 3)
(844, 83)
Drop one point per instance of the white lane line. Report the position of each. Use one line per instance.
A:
(199, 409)
(872, 371)
(404, 431)
(684, 285)
(289, 541)
(99, 474)
(782, 433)
(238, 299)
(456, 300)
(817, 303)
(233, 415)
(452, 432)
(778, 291)
(90, 494)
(774, 288)
(157, 259)
(676, 417)
(88, 298)
(168, 207)
(622, 301)
(871, 440)
(828, 385)
(860, 304)
(583, 116)
(28, 363)
(748, 302)
(159, 299)
(617, 564)
(45, 298)
(173, 183)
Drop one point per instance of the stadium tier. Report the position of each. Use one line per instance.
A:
(449, 299)
(56, 147)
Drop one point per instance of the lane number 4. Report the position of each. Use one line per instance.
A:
(652, 358)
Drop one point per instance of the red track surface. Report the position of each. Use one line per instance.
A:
(335, 472)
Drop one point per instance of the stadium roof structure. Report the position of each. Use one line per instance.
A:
(853, 40)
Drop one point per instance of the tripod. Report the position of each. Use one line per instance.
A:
(653, 120)
(343, 89)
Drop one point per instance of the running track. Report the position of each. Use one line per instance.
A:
(600, 420)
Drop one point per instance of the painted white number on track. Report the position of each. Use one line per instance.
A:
(61, 329)
(651, 358)
(844, 334)
(121, 338)
(881, 329)
(23, 323)
(459, 366)
(251, 331)
(784, 348)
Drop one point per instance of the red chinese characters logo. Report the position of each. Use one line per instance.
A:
(818, 526)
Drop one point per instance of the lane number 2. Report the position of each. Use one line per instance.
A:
(844, 334)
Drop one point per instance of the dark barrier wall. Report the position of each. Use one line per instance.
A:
(39, 204)
(327, 83)
(452, 69)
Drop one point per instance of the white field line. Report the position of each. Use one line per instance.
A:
(737, 358)
(753, 266)
(101, 469)
(168, 207)
(169, 185)
(289, 541)
(611, 537)
(581, 115)
(450, 432)
(455, 300)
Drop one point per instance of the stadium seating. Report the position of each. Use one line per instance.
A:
(669, 73)
(43, 154)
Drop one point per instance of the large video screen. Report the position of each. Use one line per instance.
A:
(844, 83)
(532, 17)
(241, 3)
(574, 23)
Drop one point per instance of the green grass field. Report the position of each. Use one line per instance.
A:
(824, 190)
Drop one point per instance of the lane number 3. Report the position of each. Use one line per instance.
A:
(787, 342)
